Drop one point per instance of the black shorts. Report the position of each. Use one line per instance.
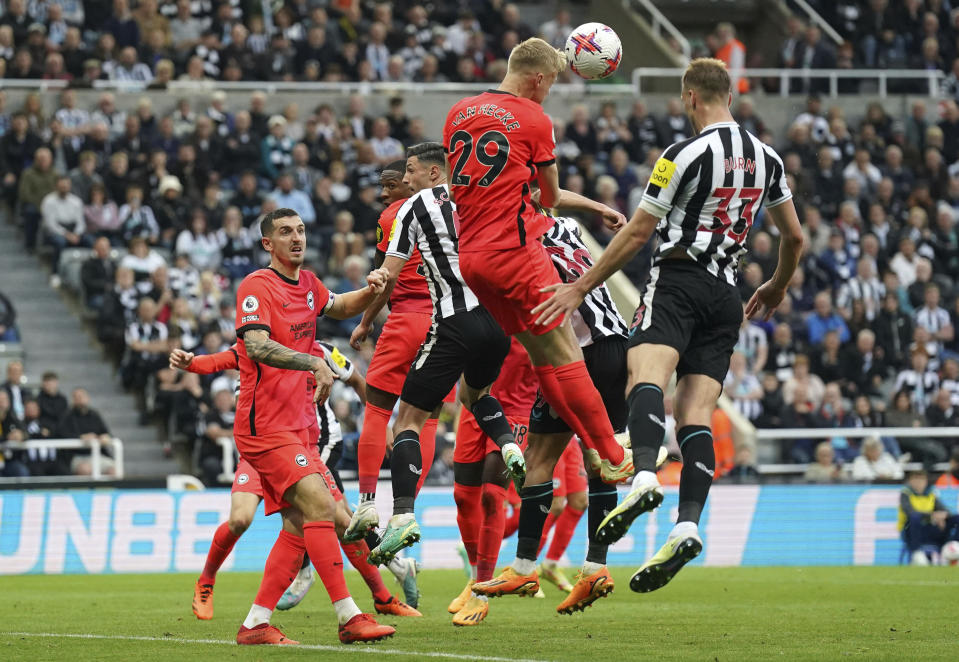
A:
(606, 364)
(471, 344)
(692, 311)
(332, 460)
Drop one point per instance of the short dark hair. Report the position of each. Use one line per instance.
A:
(431, 153)
(49, 374)
(709, 77)
(266, 224)
(395, 166)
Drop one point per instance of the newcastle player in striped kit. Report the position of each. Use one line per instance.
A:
(701, 200)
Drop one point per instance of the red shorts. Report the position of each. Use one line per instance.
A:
(508, 284)
(569, 476)
(246, 479)
(472, 444)
(292, 455)
(401, 338)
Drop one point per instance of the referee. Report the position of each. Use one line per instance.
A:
(701, 199)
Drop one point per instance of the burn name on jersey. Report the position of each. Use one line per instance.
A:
(490, 110)
(303, 330)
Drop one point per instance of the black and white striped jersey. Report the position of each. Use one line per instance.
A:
(597, 317)
(870, 291)
(426, 221)
(932, 320)
(331, 435)
(706, 192)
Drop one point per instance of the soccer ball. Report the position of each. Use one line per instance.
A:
(950, 553)
(593, 51)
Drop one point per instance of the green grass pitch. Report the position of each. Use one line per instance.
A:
(882, 613)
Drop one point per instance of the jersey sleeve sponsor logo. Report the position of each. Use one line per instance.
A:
(379, 234)
(338, 358)
(250, 304)
(662, 172)
(393, 229)
(250, 318)
(242, 479)
(309, 300)
(301, 460)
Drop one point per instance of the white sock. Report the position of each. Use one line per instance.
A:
(257, 616)
(524, 566)
(644, 478)
(345, 610)
(549, 564)
(401, 520)
(397, 566)
(590, 568)
(684, 530)
(473, 572)
(481, 597)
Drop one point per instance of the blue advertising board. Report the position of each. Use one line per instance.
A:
(116, 531)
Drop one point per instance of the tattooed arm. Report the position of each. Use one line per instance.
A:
(262, 349)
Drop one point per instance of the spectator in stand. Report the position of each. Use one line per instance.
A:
(918, 382)
(950, 478)
(732, 51)
(63, 222)
(865, 287)
(15, 389)
(825, 319)
(813, 387)
(894, 330)
(824, 469)
(53, 404)
(218, 422)
(172, 211)
(286, 196)
(11, 429)
(943, 414)
(36, 182)
(862, 366)
(82, 422)
(137, 220)
(199, 243)
(924, 519)
(97, 274)
(236, 245)
(950, 378)
(743, 387)
(146, 351)
(143, 261)
(128, 70)
(825, 360)
(933, 318)
(276, 148)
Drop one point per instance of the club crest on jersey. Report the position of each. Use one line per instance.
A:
(309, 300)
(242, 479)
(301, 460)
(662, 172)
(250, 304)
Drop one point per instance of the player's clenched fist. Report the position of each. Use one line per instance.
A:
(180, 359)
(377, 280)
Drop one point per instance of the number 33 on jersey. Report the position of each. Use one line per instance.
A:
(496, 142)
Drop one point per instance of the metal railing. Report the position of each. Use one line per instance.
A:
(932, 79)
(660, 24)
(95, 446)
(820, 22)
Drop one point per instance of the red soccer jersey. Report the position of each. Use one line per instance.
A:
(516, 386)
(411, 293)
(274, 399)
(496, 142)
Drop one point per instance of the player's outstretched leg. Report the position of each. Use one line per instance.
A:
(492, 421)
(284, 562)
(370, 450)
(242, 509)
(469, 515)
(683, 543)
(384, 602)
(402, 531)
(563, 532)
(593, 581)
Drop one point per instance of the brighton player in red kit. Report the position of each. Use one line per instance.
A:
(497, 144)
(247, 492)
(411, 313)
(480, 481)
(276, 324)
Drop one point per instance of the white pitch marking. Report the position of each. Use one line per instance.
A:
(314, 647)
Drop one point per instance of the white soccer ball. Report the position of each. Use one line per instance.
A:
(950, 553)
(593, 51)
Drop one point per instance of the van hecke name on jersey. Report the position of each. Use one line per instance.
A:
(491, 110)
(740, 163)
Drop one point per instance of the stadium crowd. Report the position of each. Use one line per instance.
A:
(168, 199)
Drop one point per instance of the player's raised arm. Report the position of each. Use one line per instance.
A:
(351, 304)
(392, 266)
(612, 219)
(205, 364)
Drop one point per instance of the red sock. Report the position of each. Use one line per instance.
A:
(588, 409)
(284, 561)
(512, 522)
(491, 531)
(469, 512)
(547, 525)
(324, 550)
(371, 447)
(357, 552)
(220, 548)
(427, 449)
(565, 526)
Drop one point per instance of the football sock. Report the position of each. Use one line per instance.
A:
(371, 448)
(257, 616)
(345, 609)
(282, 566)
(591, 568)
(512, 521)
(532, 514)
(324, 549)
(406, 465)
(469, 514)
(356, 553)
(492, 420)
(699, 463)
(602, 499)
(491, 530)
(427, 449)
(547, 527)
(646, 423)
(563, 532)
(373, 539)
(220, 548)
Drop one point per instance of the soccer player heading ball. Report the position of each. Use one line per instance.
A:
(701, 199)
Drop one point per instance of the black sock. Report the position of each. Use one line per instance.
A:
(372, 539)
(406, 465)
(532, 516)
(306, 561)
(367, 496)
(699, 463)
(492, 421)
(602, 499)
(646, 423)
